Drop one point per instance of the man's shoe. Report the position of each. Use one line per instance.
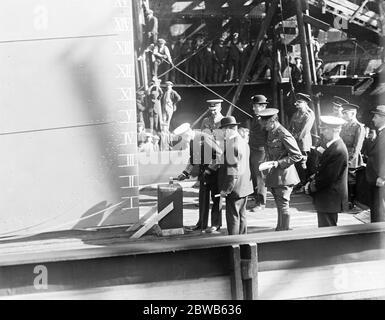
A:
(212, 229)
(192, 228)
(258, 208)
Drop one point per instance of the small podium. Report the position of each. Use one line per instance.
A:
(172, 223)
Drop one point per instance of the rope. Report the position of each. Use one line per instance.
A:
(208, 89)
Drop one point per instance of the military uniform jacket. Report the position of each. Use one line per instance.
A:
(353, 135)
(375, 167)
(204, 152)
(300, 127)
(209, 123)
(282, 147)
(331, 179)
(234, 172)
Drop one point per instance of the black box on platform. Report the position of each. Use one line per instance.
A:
(172, 223)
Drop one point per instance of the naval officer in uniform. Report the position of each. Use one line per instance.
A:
(329, 186)
(282, 152)
(204, 152)
(300, 127)
(353, 135)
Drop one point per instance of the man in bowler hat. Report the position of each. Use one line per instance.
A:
(234, 176)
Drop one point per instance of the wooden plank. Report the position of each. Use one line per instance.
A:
(143, 219)
(66, 252)
(236, 277)
(316, 22)
(214, 288)
(151, 222)
(317, 281)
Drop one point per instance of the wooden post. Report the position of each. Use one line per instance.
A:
(236, 275)
(249, 264)
(309, 37)
(304, 51)
(266, 23)
(274, 78)
(381, 8)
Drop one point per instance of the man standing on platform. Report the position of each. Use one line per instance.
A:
(169, 100)
(353, 135)
(257, 141)
(329, 186)
(337, 106)
(375, 168)
(204, 152)
(235, 178)
(300, 127)
(282, 153)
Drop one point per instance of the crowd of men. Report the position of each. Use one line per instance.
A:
(155, 109)
(218, 60)
(240, 162)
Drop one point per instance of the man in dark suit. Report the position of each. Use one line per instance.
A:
(330, 184)
(204, 152)
(235, 177)
(257, 143)
(375, 168)
(282, 152)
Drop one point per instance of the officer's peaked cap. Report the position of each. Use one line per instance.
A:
(331, 122)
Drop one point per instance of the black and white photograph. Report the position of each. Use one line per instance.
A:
(205, 151)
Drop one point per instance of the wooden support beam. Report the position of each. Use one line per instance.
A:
(316, 23)
(265, 25)
(249, 265)
(236, 273)
(152, 221)
(304, 48)
(363, 4)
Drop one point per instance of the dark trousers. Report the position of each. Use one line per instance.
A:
(236, 215)
(260, 190)
(282, 200)
(377, 204)
(352, 183)
(209, 188)
(326, 219)
(302, 168)
(219, 72)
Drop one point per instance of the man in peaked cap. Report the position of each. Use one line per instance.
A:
(329, 187)
(353, 135)
(213, 121)
(234, 176)
(170, 99)
(204, 153)
(282, 153)
(375, 167)
(337, 106)
(257, 141)
(300, 127)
